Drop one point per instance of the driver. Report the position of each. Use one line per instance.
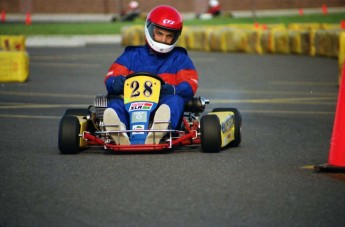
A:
(158, 56)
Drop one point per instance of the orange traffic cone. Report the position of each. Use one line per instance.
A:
(324, 9)
(3, 16)
(300, 12)
(342, 24)
(336, 159)
(28, 19)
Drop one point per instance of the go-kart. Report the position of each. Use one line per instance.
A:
(80, 129)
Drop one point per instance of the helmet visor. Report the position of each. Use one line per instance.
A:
(163, 35)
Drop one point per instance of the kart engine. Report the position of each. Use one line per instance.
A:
(195, 105)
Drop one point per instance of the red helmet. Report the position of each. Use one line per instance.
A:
(165, 17)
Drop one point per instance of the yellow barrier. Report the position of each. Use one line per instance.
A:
(304, 26)
(326, 43)
(254, 41)
(12, 43)
(182, 40)
(266, 42)
(299, 41)
(196, 38)
(133, 35)
(217, 40)
(329, 26)
(234, 40)
(14, 66)
(280, 40)
(223, 39)
(308, 39)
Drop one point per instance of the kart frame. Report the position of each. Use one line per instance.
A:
(80, 129)
(188, 138)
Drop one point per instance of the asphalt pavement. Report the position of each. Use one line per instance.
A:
(287, 104)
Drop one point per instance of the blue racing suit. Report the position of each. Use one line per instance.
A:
(175, 68)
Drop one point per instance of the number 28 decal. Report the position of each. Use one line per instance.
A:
(136, 89)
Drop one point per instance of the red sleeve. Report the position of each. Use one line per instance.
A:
(190, 76)
(116, 70)
(185, 75)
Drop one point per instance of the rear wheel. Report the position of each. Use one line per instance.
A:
(68, 140)
(238, 124)
(211, 140)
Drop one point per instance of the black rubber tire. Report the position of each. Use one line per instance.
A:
(238, 124)
(211, 140)
(68, 139)
(76, 112)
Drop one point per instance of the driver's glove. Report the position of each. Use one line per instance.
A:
(115, 85)
(167, 89)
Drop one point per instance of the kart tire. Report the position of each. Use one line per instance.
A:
(68, 139)
(76, 112)
(82, 113)
(238, 124)
(211, 140)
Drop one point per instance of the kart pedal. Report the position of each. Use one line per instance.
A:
(110, 118)
(160, 122)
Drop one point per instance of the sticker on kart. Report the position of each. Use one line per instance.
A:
(143, 88)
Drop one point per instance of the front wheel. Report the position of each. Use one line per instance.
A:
(211, 140)
(237, 123)
(68, 140)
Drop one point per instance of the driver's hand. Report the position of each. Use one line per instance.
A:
(115, 85)
(167, 89)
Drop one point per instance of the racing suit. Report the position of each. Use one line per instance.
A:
(175, 68)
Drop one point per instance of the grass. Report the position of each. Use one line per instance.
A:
(115, 28)
(335, 18)
(61, 28)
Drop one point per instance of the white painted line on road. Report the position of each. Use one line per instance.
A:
(42, 106)
(272, 92)
(304, 83)
(69, 65)
(289, 112)
(47, 94)
(301, 100)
